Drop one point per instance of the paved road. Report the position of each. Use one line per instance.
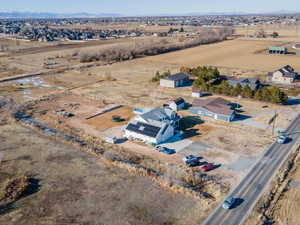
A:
(252, 186)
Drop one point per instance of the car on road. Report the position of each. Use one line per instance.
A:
(207, 167)
(229, 202)
(282, 139)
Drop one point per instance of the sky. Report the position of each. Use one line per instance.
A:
(149, 7)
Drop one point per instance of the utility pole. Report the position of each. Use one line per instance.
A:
(273, 129)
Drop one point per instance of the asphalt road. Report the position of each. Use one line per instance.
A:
(254, 183)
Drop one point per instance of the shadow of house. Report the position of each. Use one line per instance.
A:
(240, 117)
(187, 125)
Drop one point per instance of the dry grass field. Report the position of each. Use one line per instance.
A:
(104, 122)
(237, 55)
(73, 187)
(287, 211)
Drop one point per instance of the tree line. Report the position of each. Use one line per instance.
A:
(209, 79)
(127, 51)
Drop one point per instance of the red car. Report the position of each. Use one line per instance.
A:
(207, 167)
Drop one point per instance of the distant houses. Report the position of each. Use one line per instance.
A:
(285, 75)
(253, 83)
(175, 80)
(153, 127)
(296, 46)
(216, 108)
(277, 50)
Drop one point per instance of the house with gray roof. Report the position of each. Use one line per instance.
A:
(153, 127)
(253, 83)
(175, 80)
(216, 108)
(285, 75)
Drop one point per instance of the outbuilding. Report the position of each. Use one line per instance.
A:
(175, 80)
(177, 104)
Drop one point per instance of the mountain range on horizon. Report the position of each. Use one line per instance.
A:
(45, 15)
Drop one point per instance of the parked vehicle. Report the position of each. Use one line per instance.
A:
(191, 160)
(165, 150)
(112, 140)
(282, 139)
(207, 167)
(229, 202)
(188, 157)
(168, 151)
(160, 148)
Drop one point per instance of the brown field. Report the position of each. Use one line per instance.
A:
(76, 188)
(237, 55)
(287, 210)
(104, 122)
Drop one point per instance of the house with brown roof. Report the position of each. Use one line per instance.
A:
(216, 108)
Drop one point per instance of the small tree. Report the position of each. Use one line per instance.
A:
(260, 33)
(237, 90)
(274, 35)
(247, 92)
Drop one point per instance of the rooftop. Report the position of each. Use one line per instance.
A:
(215, 105)
(177, 76)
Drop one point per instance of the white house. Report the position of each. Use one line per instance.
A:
(285, 75)
(153, 127)
(177, 104)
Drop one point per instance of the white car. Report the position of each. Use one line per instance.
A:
(112, 140)
(282, 139)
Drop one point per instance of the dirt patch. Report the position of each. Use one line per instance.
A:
(104, 121)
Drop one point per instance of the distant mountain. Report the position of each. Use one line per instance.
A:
(36, 15)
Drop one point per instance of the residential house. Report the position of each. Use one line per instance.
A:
(253, 83)
(285, 75)
(153, 127)
(197, 93)
(177, 104)
(217, 108)
(278, 50)
(296, 46)
(175, 80)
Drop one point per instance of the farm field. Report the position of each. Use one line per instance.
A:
(287, 210)
(95, 194)
(236, 55)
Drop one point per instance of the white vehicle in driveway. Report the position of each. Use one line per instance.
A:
(112, 140)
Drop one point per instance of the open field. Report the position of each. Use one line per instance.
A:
(287, 210)
(94, 194)
(236, 55)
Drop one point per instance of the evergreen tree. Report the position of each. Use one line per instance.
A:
(247, 92)
(237, 90)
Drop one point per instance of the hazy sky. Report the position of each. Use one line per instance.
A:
(136, 7)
